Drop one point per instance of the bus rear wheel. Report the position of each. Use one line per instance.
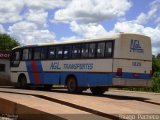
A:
(22, 82)
(98, 90)
(72, 85)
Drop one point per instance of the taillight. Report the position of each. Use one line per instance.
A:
(119, 71)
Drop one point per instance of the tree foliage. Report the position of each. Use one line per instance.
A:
(7, 42)
(156, 75)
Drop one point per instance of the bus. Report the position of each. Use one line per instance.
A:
(119, 60)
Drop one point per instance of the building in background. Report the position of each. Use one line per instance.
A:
(4, 68)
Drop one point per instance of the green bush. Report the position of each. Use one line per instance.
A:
(156, 82)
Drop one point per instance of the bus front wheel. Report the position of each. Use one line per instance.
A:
(97, 90)
(22, 82)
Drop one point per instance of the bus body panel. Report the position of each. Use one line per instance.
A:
(87, 72)
(132, 54)
(134, 58)
(83, 65)
(133, 46)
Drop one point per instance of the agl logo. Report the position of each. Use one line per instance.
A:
(136, 47)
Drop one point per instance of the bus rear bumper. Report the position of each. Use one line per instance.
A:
(131, 82)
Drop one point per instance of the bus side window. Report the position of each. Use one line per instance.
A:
(51, 53)
(27, 54)
(109, 49)
(15, 59)
(44, 53)
(84, 51)
(100, 49)
(92, 49)
(30, 54)
(59, 52)
(76, 51)
(37, 54)
(67, 52)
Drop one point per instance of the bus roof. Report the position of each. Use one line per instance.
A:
(111, 36)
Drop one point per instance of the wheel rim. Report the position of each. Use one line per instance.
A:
(71, 85)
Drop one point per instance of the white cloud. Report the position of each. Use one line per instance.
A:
(142, 18)
(87, 30)
(37, 16)
(44, 4)
(10, 10)
(152, 14)
(128, 26)
(132, 27)
(136, 26)
(28, 33)
(2, 30)
(88, 11)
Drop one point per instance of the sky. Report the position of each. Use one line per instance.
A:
(43, 21)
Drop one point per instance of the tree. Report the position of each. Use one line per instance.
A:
(7, 42)
(158, 56)
(156, 76)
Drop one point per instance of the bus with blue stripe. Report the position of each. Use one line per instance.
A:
(119, 60)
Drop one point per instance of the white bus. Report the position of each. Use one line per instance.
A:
(120, 60)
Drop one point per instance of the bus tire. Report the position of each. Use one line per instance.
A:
(97, 90)
(22, 82)
(72, 86)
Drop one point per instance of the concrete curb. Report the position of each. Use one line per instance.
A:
(136, 92)
(24, 112)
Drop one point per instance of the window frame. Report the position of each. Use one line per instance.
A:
(2, 67)
(70, 51)
(58, 47)
(62, 47)
(112, 52)
(12, 64)
(80, 54)
(94, 50)
(30, 50)
(88, 50)
(33, 53)
(46, 53)
(104, 43)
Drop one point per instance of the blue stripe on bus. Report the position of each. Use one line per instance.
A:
(40, 70)
(83, 79)
(131, 76)
(31, 72)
